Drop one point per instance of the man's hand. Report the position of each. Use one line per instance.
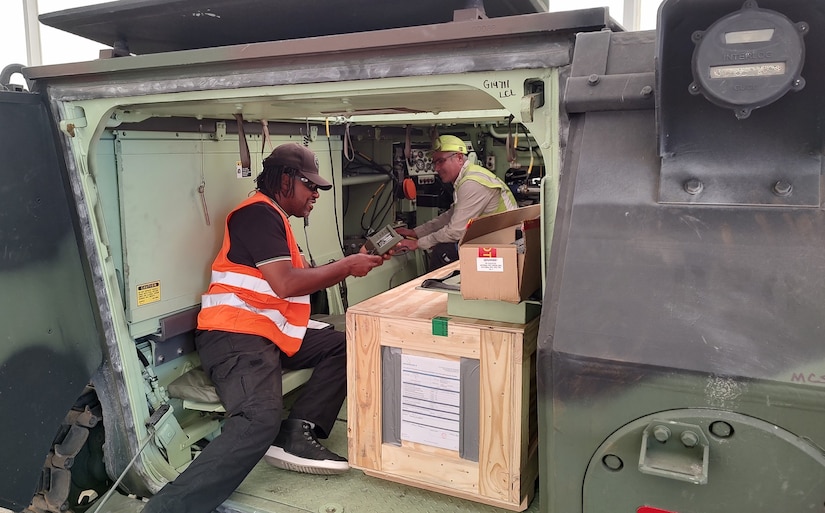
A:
(361, 263)
(386, 256)
(407, 244)
(406, 232)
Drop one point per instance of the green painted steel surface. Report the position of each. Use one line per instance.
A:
(279, 491)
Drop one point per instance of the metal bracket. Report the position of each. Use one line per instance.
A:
(529, 103)
(220, 130)
(633, 91)
(676, 451)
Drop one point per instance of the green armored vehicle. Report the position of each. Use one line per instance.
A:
(679, 366)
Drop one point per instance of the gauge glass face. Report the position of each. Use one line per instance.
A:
(748, 59)
(749, 36)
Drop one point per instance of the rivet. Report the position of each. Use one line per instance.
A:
(647, 91)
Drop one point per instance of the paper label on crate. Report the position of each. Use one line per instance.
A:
(430, 395)
(490, 265)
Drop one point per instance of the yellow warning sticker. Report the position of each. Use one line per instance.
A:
(148, 293)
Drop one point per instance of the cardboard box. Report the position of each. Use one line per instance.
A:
(493, 265)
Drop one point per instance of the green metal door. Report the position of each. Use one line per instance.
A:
(50, 337)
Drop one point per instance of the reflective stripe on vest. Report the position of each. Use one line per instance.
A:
(273, 315)
(240, 300)
(480, 175)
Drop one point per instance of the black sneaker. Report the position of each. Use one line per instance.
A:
(296, 448)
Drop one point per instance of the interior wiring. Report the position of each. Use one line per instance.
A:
(334, 193)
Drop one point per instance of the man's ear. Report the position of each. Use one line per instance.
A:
(286, 182)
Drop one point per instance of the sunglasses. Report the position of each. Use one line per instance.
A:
(309, 185)
(441, 160)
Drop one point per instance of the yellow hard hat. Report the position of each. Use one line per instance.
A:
(450, 143)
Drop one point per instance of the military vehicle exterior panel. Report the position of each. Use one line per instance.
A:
(680, 359)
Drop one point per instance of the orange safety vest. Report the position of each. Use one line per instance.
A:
(240, 300)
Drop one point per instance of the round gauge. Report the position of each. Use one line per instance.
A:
(748, 59)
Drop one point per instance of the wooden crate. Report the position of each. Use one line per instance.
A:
(506, 469)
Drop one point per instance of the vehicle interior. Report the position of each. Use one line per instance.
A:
(166, 173)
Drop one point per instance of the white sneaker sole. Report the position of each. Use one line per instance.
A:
(277, 457)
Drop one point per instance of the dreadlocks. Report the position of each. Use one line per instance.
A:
(269, 181)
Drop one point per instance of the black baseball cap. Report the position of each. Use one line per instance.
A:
(296, 156)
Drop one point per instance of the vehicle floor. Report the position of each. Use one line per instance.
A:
(272, 490)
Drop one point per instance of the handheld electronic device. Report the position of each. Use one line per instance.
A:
(382, 241)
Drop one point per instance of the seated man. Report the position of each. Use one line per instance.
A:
(478, 192)
(253, 322)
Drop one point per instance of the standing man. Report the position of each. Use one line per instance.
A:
(478, 192)
(253, 322)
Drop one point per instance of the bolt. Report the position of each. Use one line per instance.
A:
(694, 88)
(593, 79)
(782, 188)
(721, 429)
(661, 433)
(694, 186)
(647, 91)
(742, 113)
(689, 438)
(613, 462)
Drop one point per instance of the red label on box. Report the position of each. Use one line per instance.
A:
(650, 509)
(486, 252)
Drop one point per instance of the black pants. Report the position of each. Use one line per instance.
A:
(246, 370)
(442, 254)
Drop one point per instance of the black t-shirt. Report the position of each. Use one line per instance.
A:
(257, 236)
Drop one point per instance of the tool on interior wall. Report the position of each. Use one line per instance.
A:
(202, 192)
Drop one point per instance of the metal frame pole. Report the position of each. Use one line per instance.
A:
(632, 14)
(34, 53)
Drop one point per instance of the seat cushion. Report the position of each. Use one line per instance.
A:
(194, 385)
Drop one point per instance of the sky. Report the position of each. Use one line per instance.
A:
(59, 47)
